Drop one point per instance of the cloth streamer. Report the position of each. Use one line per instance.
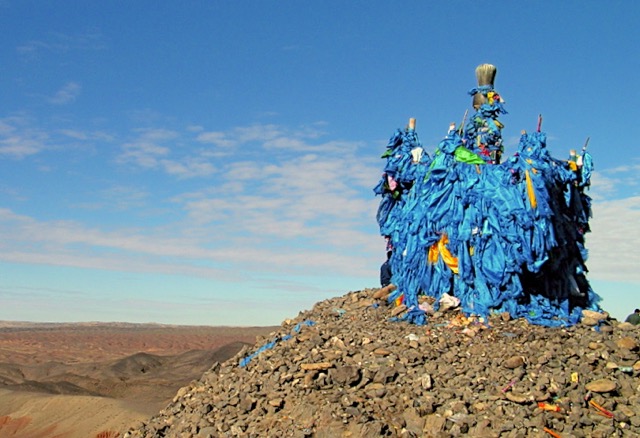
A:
(269, 345)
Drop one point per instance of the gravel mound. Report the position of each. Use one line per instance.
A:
(345, 369)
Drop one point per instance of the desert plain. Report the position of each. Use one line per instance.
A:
(91, 380)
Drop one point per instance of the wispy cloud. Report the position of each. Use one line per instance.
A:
(146, 150)
(287, 192)
(285, 210)
(218, 139)
(198, 153)
(57, 42)
(270, 136)
(282, 202)
(116, 198)
(18, 139)
(77, 134)
(618, 181)
(189, 167)
(241, 135)
(67, 94)
(160, 149)
(66, 242)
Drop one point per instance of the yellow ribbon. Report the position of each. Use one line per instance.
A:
(530, 190)
(440, 250)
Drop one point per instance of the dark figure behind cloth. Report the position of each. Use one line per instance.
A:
(385, 271)
(634, 318)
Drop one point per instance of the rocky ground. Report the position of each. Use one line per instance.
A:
(344, 369)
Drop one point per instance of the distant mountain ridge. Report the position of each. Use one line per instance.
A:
(86, 380)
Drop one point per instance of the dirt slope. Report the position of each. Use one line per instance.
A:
(91, 380)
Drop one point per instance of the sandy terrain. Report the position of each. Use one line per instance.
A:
(92, 379)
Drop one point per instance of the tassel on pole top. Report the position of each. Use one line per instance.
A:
(486, 76)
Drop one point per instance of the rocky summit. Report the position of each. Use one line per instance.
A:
(349, 368)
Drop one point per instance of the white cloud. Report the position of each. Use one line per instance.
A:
(68, 93)
(303, 208)
(617, 182)
(116, 198)
(629, 167)
(144, 154)
(241, 135)
(240, 149)
(259, 133)
(287, 212)
(61, 242)
(291, 144)
(57, 42)
(263, 243)
(219, 139)
(87, 135)
(32, 47)
(242, 170)
(190, 167)
(604, 186)
(145, 151)
(159, 149)
(18, 139)
(614, 241)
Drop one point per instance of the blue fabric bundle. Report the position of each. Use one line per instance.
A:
(503, 237)
(271, 344)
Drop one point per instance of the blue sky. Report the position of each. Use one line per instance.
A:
(212, 162)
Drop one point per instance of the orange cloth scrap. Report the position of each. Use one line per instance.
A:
(440, 250)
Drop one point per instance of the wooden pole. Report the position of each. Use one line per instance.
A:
(464, 120)
(412, 124)
(539, 122)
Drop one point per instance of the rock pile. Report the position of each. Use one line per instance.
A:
(350, 371)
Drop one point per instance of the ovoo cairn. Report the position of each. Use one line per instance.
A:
(499, 236)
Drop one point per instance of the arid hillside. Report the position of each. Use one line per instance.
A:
(93, 379)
